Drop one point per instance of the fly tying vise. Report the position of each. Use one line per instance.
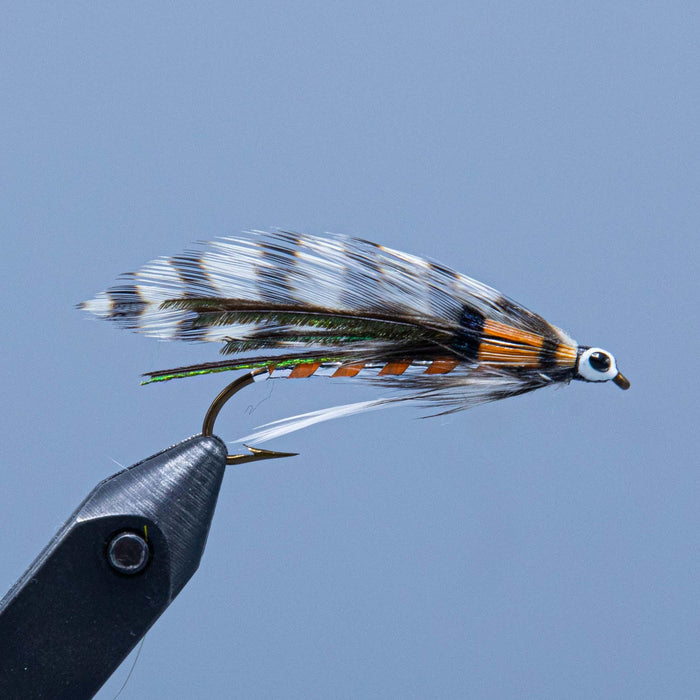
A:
(345, 307)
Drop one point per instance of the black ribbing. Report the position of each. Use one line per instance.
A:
(471, 330)
(550, 343)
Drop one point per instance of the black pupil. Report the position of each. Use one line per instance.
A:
(599, 362)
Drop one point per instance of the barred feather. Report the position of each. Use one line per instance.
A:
(339, 306)
(298, 274)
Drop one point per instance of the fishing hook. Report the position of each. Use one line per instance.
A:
(219, 402)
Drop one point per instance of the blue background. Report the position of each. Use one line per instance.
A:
(546, 546)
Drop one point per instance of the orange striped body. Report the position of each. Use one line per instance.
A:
(440, 365)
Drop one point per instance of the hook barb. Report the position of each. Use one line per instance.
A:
(256, 453)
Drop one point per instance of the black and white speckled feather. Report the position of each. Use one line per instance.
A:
(186, 297)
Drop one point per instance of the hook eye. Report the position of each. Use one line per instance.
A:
(621, 381)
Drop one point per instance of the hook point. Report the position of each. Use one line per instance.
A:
(256, 454)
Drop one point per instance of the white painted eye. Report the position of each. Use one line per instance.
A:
(597, 365)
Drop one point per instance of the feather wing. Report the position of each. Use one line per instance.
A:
(332, 300)
(282, 289)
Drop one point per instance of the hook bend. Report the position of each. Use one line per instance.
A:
(256, 453)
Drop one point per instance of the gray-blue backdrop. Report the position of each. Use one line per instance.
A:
(547, 546)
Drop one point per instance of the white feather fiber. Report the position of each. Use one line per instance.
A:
(277, 428)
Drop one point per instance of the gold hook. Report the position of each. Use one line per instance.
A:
(216, 406)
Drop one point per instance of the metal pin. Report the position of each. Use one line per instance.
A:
(128, 553)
